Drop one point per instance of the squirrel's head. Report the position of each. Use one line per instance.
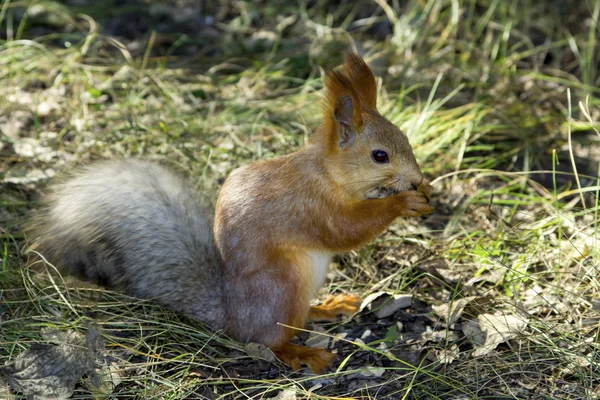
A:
(366, 154)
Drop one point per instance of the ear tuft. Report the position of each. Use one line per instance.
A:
(362, 79)
(350, 89)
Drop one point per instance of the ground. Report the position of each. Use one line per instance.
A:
(495, 295)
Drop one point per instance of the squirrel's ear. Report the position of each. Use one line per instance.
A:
(342, 109)
(342, 114)
(362, 79)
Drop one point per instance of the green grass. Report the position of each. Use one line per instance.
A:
(500, 101)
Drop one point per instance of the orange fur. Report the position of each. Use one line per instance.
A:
(333, 306)
(363, 80)
(336, 86)
(295, 355)
(355, 80)
(277, 221)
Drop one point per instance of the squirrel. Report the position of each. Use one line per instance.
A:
(135, 226)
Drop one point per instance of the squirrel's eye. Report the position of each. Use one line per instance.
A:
(380, 156)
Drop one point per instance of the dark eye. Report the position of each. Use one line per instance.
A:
(380, 156)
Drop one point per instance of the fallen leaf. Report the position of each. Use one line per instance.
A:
(110, 378)
(370, 298)
(447, 356)
(316, 338)
(396, 303)
(287, 394)
(498, 329)
(439, 269)
(372, 372)
(473, 332)
(4, 389)
(577, 363)
(48, 371)
(451, 312)
(386, 303)
(443, 335)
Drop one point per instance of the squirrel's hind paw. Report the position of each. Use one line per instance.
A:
(333, 306)
(296, 355)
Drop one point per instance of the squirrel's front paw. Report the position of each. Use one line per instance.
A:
(413, 203)
(425, 188)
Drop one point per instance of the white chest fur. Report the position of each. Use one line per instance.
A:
(320, 261)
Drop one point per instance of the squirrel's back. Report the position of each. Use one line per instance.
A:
(135, 226)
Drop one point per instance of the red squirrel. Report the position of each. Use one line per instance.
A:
(135, 226)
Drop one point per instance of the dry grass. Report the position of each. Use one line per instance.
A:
(499, 99)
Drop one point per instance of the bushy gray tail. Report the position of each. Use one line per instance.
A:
(134, 226)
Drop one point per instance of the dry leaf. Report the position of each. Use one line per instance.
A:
(396, 303)
(451, 312)
(317, 339)
(4, 389)
(372, 372)
(110, 378)
(443, 335)
(386, 303)
(472, 332)
(447, 356)
(47, 371)
(287, 394)
(370, 298)
(498, 329)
